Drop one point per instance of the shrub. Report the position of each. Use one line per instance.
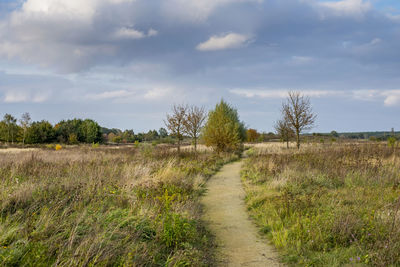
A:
(223, 130)
(58, 147)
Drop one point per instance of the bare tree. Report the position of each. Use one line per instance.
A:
(175, 122)
(10, 122)
(284, 131)
(298, 114)
(194, 122)
(25, 123)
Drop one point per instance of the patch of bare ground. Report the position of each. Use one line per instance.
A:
(239, 243)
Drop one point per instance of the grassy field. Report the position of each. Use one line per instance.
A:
(97, 206)
(327, 205)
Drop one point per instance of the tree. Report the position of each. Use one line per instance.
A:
(297, 112)
(91, 131)
(194, 122)
(175, 122)
(223, 130)
(25, 123)
(40, 132)
(334, 134)
(252, 135)
(163, 132)
(11, 126)
(284, 131)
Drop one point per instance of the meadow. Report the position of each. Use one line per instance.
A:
(86, 206)
(327, 204)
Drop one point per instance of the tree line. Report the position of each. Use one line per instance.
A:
(26, 131)
(219, 128)
(224, 131)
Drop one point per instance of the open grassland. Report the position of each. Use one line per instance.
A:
(98, 206)
(327, 205)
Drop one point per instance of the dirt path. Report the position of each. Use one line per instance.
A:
(238, 241)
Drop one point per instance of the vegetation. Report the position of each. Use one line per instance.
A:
(252, 135)
(223, 130)
(89, 206)
(194, 122)
(328, 205)
(297, 114)
(284, 131)
(175, 122)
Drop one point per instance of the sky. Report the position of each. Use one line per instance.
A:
(124, 63)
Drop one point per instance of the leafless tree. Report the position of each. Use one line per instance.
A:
(298, 114)
(25, 123)
(194, 122)
(175, 122)
(284, 131)
(10, 122)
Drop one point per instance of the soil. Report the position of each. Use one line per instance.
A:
(238, 241)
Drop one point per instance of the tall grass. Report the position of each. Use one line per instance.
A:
(328, 205)
(98, 206)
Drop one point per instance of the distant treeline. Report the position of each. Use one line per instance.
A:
(74, 131)
(373, 136)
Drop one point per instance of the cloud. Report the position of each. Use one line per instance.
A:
(196, 11)
(225, 41)
(158, 93)
(110, 95)
(25, 97)
(390, 98)
(282, 93)
(133, 95)
(347, 7)
(130, 33)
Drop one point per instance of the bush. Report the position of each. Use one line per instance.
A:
(223, 130)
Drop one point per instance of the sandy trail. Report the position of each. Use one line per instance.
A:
(225, 212)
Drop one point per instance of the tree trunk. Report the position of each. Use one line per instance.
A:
(195, 144)
(287, 143)
(179, 145)
(298, 139)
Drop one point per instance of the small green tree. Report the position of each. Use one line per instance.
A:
(25, 123)
(391, 141)
(223, 130)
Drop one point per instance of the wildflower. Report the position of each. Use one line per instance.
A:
(358, 258)
(351, 259)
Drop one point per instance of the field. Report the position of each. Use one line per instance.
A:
(87, 206)
(327, 205)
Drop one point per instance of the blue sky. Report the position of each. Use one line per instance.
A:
(125, 62)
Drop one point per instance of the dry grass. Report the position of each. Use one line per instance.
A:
(328, 205)
(103, 206)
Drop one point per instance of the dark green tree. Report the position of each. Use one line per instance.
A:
(40, 132)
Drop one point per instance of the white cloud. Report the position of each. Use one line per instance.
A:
(375, 41)
(129, 33)
(16, 97)
(25, 97)
(196, 10)
(132, 95)
(388, 97)
(347, 7)
(110, 95)
(392, 98)
(282, 93)
(157, 93)
(221, 42)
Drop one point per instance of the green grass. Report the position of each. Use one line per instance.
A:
(98, 206)
(328, 206)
